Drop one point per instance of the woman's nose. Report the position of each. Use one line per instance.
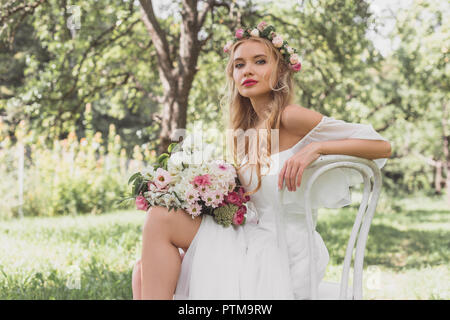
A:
(247, 70)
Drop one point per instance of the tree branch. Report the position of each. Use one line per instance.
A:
(158, 36)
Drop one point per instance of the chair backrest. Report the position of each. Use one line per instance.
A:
(361, 226)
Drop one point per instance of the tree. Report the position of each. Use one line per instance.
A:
(422, 61)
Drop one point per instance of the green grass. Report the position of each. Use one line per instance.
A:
(407, 253)
(91, 257)
(44, 258)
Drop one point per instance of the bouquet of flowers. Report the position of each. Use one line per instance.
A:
(177, 181)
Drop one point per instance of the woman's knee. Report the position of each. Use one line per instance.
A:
(176, 225)
(158, 217)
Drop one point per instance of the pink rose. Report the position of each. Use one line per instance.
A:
(227, 46)
(141, 203)
(202, 180)
(239, 33)
(242, 210)
(238, 217)
(234, 198)
(262, 25)
(296, 67)
(241, 194)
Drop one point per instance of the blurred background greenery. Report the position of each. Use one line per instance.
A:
(87, 97)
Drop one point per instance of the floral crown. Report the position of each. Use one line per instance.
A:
(263, 30)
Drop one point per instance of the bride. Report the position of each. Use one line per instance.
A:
(267, 258)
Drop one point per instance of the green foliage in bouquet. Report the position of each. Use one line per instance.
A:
(138, 181)
(224, 215)
(161, 162)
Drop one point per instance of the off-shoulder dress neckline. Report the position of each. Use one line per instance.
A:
(302, 139)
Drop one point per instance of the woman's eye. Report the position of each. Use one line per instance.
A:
(237, 66)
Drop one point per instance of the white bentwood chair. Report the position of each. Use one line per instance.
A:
(360, 231)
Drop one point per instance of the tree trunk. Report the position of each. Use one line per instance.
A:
(438, 178)
(446, 146)
(176, 76)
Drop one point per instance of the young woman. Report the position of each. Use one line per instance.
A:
(267, 258)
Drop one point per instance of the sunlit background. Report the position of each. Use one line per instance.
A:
(85, 101)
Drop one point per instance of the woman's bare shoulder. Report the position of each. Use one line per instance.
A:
(299, 120)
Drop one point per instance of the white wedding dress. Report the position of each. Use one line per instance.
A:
(267, 258)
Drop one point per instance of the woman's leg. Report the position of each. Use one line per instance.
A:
(136, 281)
(163, 233)
(136, 278)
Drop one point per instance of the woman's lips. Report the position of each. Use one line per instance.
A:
(250, 83)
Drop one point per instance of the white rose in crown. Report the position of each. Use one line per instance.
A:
(277, 41)
(294, 58)
(290, 50)
(254, 33)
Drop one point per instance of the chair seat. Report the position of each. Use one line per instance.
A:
(330, 291)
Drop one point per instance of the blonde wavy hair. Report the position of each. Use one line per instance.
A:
(243, 117)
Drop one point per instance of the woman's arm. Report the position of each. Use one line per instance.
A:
(368, 149)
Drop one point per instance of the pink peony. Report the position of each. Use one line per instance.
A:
(163, 178)
(141, 203)
(239, 33)
(233, 198)
(296, 67)
(202, 180)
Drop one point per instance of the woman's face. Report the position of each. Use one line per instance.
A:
(251, 61)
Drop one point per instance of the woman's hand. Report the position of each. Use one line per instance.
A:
(293, 168)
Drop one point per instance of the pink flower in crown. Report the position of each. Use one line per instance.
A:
(141, 203)
(296, 67)
(233, 198)
(239, 33)
(195, 209)
(227, 46)
(262, 25)
(163, 178)
(202, 180)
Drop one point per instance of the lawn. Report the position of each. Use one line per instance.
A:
(91, 257)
